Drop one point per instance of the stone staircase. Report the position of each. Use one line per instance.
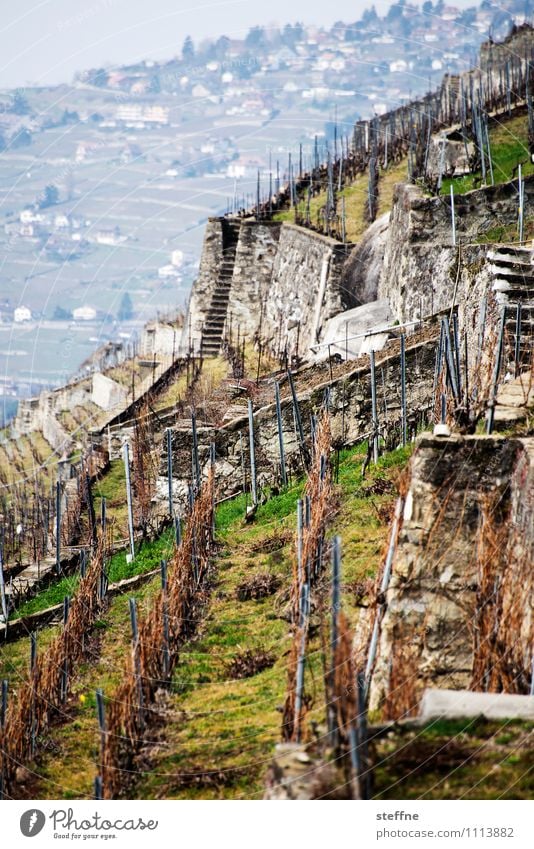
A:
(513, 283)
(212, 331)
(515, 402)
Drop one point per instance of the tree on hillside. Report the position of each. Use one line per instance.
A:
(50, 196)
(221, 47)
(99, 77)
(125, 308)
(468, 16)
(395, 11)
(22, 138)
(369, 17)
(20, 105)
(188, 49)
(69, 117)
(61, 314)
(155, 84)
(255, 37)
(292, 34)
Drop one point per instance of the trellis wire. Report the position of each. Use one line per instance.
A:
(129, 500)
(374, 412)
(196, 464)
(517, 346)
(335, 607)
(453, 218)
(496, 372)
(58, 527)
(298, 423)
(253, 480)
(373, 646)
(3, 587)
(44, 690)
(280, 434)
(166, 625)
(3, 703)
(169, 470)
(299, 688)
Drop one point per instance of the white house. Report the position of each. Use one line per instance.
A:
(108, 237)
(177, 258)
(156, 114)
(22, 314)
(84, 313)
(235, 172)
(167, 271)
(200, 90)
(160, 337)
(29, 216)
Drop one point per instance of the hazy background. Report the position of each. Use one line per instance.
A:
(44, 42)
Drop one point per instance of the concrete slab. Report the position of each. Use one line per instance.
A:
(357, 322)
(460, 704)
(107, 393)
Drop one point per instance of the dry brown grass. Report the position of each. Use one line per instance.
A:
(144, 466)
(319, 490)
(42, 695)
(503, 632)
(405, 688)
(170, 621)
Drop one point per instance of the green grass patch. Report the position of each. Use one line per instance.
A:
(148, 557)
(112, 485)
(509, 147)
(468, 759)
(52, 595)
(355, 197)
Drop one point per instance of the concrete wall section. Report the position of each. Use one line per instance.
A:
(55, 435)
(362, 271)
(160, 338)
(107, 393)
(34, 413)
(422, 280)
(422, 272)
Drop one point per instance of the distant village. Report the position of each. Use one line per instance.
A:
(370, 65)
(352, 70)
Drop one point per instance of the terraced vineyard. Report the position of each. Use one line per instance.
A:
(219, 722)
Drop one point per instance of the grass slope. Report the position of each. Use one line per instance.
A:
(509, 147)
(355, 196)
(457, 759)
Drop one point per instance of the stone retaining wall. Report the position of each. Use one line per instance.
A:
(350, 418)
(464, 554)
(256, 252)
(306, 289)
